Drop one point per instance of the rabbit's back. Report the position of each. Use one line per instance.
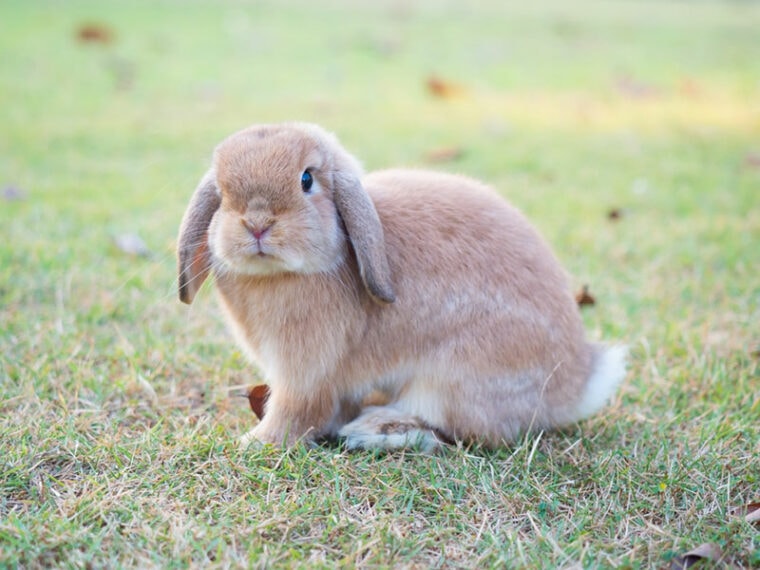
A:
(454, 241)
(480, 296)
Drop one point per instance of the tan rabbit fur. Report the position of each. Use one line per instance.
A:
(428, 287)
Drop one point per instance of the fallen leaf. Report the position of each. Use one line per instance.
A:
(444, 154)
(13, 194)
(583, 297)
(95, 33)
(749, 512)
(132, 244)
(706, 551)
(257, 398)
(615, 214)
(442, 88)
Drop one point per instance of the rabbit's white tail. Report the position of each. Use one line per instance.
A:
(609, 370)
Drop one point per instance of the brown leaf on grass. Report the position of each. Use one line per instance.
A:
(614, 214)
(443, 88)
(583, 297)
(444, 154)
(749, 512)
(707, 551)
(257, 398)
(95, 33)
(132, 244)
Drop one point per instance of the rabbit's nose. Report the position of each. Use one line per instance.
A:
(256, 230)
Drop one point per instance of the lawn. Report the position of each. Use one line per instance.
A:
(120, 407)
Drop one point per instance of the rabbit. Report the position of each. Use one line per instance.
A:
(427, 287)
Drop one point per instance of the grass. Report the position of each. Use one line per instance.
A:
(118, 414)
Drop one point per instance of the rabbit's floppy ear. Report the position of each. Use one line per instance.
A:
(194, 259)
(366, 235)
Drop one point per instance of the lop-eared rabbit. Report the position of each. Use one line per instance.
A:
(427, 288)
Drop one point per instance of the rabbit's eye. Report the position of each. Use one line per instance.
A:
(306, 180)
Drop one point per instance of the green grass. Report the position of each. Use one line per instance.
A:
(118, 417)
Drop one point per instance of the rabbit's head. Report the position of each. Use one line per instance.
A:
(281, 199)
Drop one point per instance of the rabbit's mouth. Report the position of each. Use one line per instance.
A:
(263, 256)
(258, 254)
(258, 250)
